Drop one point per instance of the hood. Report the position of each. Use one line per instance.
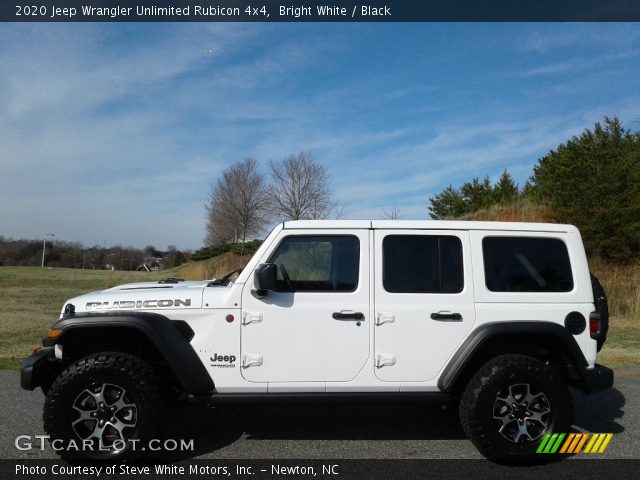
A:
(146, 296)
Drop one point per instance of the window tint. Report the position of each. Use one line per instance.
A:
(422, 264)
(521, 264)
(317, 263)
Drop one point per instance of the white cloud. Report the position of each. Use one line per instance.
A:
(114, 133)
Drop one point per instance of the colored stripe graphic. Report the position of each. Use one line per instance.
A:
(590, 443)
(550, 443)
(581, 443)
(606, 441)
(574, 443)
(555, 447)
(544, 441)
(567, 443)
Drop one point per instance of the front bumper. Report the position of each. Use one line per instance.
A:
(596, 379)
(37, 369)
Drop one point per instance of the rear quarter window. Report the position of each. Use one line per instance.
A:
(526, 264)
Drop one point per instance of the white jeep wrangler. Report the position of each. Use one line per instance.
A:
(499, 317)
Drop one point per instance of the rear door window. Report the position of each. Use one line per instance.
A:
(422, 264)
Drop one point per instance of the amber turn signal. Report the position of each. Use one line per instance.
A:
(53, 333)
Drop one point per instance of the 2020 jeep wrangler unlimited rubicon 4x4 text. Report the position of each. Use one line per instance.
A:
(498, 317)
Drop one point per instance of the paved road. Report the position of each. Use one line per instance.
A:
(345, 431)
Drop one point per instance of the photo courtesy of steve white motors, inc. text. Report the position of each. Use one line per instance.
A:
(171, 470)
(206, 12)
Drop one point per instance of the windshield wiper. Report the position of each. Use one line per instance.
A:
(224, 280)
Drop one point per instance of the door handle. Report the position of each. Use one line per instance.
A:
(446, 317)
(348, 316)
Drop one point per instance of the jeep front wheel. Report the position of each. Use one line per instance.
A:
(104, 406)
(510, 403)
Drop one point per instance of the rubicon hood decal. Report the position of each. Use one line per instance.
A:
(132, 304)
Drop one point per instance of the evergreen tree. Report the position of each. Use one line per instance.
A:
(506, 190)
(593, 181)
(447, 204)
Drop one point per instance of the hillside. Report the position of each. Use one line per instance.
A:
(210, 268)
(519, 211)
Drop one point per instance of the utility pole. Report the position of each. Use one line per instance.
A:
(44, 245)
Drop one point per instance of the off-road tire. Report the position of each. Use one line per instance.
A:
(602, 307)
(140, 387)
(481, 396)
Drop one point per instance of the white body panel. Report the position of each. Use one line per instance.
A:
(295, 334)
(404, 327)
(290, 342)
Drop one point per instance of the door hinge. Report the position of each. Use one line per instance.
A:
(385, 359)
(251, 317)
(249, 360)
(382, 317)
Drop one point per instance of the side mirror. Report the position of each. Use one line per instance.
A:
(264, 277)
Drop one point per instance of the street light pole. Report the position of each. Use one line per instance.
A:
(107, 259)
(44, 245)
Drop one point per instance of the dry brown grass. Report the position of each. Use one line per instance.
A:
(211, 268)
(520, 211)
(622, 285)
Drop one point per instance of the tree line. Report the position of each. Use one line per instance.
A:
(475, 195)
(24, 252)
(244, 200)
(591, 181)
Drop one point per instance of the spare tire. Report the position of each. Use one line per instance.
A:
(602, 307)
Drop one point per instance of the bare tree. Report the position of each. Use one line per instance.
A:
(300, 189)
(237, 203)
(393, 214)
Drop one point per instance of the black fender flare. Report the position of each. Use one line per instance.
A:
(170, 337)
(479, 337)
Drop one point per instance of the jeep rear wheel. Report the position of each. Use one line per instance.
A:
(510, 403)
(104, 406)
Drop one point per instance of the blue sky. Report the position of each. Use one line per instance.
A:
(113, 133)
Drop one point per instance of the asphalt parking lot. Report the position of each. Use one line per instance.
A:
(378, 431)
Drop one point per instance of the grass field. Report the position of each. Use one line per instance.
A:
(31, 299)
